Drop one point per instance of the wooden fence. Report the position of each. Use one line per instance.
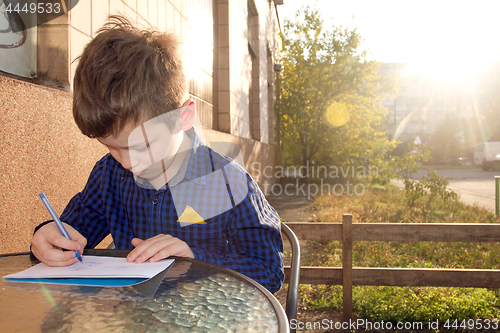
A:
(347, 276)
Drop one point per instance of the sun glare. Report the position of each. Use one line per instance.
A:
(447, 68)
(337, 114)
(448, 37)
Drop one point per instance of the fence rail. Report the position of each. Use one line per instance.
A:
(347, 276)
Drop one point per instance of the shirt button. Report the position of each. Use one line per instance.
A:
(154, 201)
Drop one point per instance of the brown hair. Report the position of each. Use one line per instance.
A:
(126, 75)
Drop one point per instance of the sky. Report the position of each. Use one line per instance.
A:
(441, 34)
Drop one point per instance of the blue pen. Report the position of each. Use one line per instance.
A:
(58, 222)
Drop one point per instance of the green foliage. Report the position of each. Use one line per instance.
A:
(486, 127)
(404, 304)
(437, 187)
(328, 103)
(386, 203)
(408, 255)
(390, 204)
(449, 140)
(432, 186)
(402, 166)
(414, 191)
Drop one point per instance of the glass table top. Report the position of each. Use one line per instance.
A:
(190, 296)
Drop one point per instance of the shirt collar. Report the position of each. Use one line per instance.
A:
(196, 163)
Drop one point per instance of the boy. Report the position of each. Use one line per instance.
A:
(160, 192)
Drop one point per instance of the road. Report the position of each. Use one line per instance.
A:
(474, 186)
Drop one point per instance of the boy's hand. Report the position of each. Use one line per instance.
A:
(157, 248)
(47, 244)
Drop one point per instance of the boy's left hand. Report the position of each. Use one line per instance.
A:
(157, 248)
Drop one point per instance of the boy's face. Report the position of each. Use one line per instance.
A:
(146, 150)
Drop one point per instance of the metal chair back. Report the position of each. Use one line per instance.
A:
(293, 286)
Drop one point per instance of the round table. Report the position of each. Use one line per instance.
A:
(193, 296)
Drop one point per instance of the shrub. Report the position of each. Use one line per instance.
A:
(426, 201)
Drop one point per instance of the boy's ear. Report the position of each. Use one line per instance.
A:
(188, 115)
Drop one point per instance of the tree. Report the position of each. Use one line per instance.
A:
(447, 142)
(329, 97)
(488, 121)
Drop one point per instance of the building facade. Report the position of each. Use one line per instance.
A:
(229, 51)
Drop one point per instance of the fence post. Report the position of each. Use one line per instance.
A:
(497, 195)
(347, 266)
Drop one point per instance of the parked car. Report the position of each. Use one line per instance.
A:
(487, 156)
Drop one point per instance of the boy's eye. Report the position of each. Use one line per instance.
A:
(137, 149)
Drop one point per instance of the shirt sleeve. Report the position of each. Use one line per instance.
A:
(86, 212)
(254, 240)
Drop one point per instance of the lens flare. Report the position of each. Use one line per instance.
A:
(48, 296)
(337, 114)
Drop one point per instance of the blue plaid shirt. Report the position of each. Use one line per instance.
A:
(241, 230)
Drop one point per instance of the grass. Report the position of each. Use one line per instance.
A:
(403, 304)
(409, 304)
(388, 204)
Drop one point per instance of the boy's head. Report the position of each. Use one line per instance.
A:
(126, 76)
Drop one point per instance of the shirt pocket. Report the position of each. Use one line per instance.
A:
(211, 235)
(207, 196)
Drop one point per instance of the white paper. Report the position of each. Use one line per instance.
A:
(95, 267)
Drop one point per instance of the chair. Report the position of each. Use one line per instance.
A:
(293, 285)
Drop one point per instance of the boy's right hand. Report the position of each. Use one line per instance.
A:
(47, 244)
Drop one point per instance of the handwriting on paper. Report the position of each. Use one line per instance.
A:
(96, 267)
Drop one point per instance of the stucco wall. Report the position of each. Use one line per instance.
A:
(41, 150)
